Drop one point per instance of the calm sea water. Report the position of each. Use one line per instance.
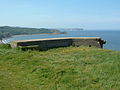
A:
(112, 37)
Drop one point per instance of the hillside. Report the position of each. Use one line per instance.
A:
(70, 68)
(7, 31)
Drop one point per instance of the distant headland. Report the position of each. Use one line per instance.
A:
(8, 31)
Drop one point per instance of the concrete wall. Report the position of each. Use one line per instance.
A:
(43, 44)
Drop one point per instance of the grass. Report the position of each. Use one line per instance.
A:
(70, 68)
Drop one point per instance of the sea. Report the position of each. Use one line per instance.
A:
(112, 37)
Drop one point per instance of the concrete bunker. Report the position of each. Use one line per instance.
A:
(44, 44)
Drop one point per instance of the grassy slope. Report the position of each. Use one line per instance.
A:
(71, 68)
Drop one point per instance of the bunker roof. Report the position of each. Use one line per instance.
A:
(56, 39)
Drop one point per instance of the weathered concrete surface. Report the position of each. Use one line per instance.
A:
(43, 44)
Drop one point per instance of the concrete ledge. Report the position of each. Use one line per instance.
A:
(43, 44)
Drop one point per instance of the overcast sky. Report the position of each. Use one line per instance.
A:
(88, 14)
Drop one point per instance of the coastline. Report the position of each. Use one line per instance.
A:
(4, 39)
(37, 34)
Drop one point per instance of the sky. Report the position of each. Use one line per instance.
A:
(86, 14)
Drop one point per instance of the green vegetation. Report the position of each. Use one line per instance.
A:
(70, 68)
(6, 31)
